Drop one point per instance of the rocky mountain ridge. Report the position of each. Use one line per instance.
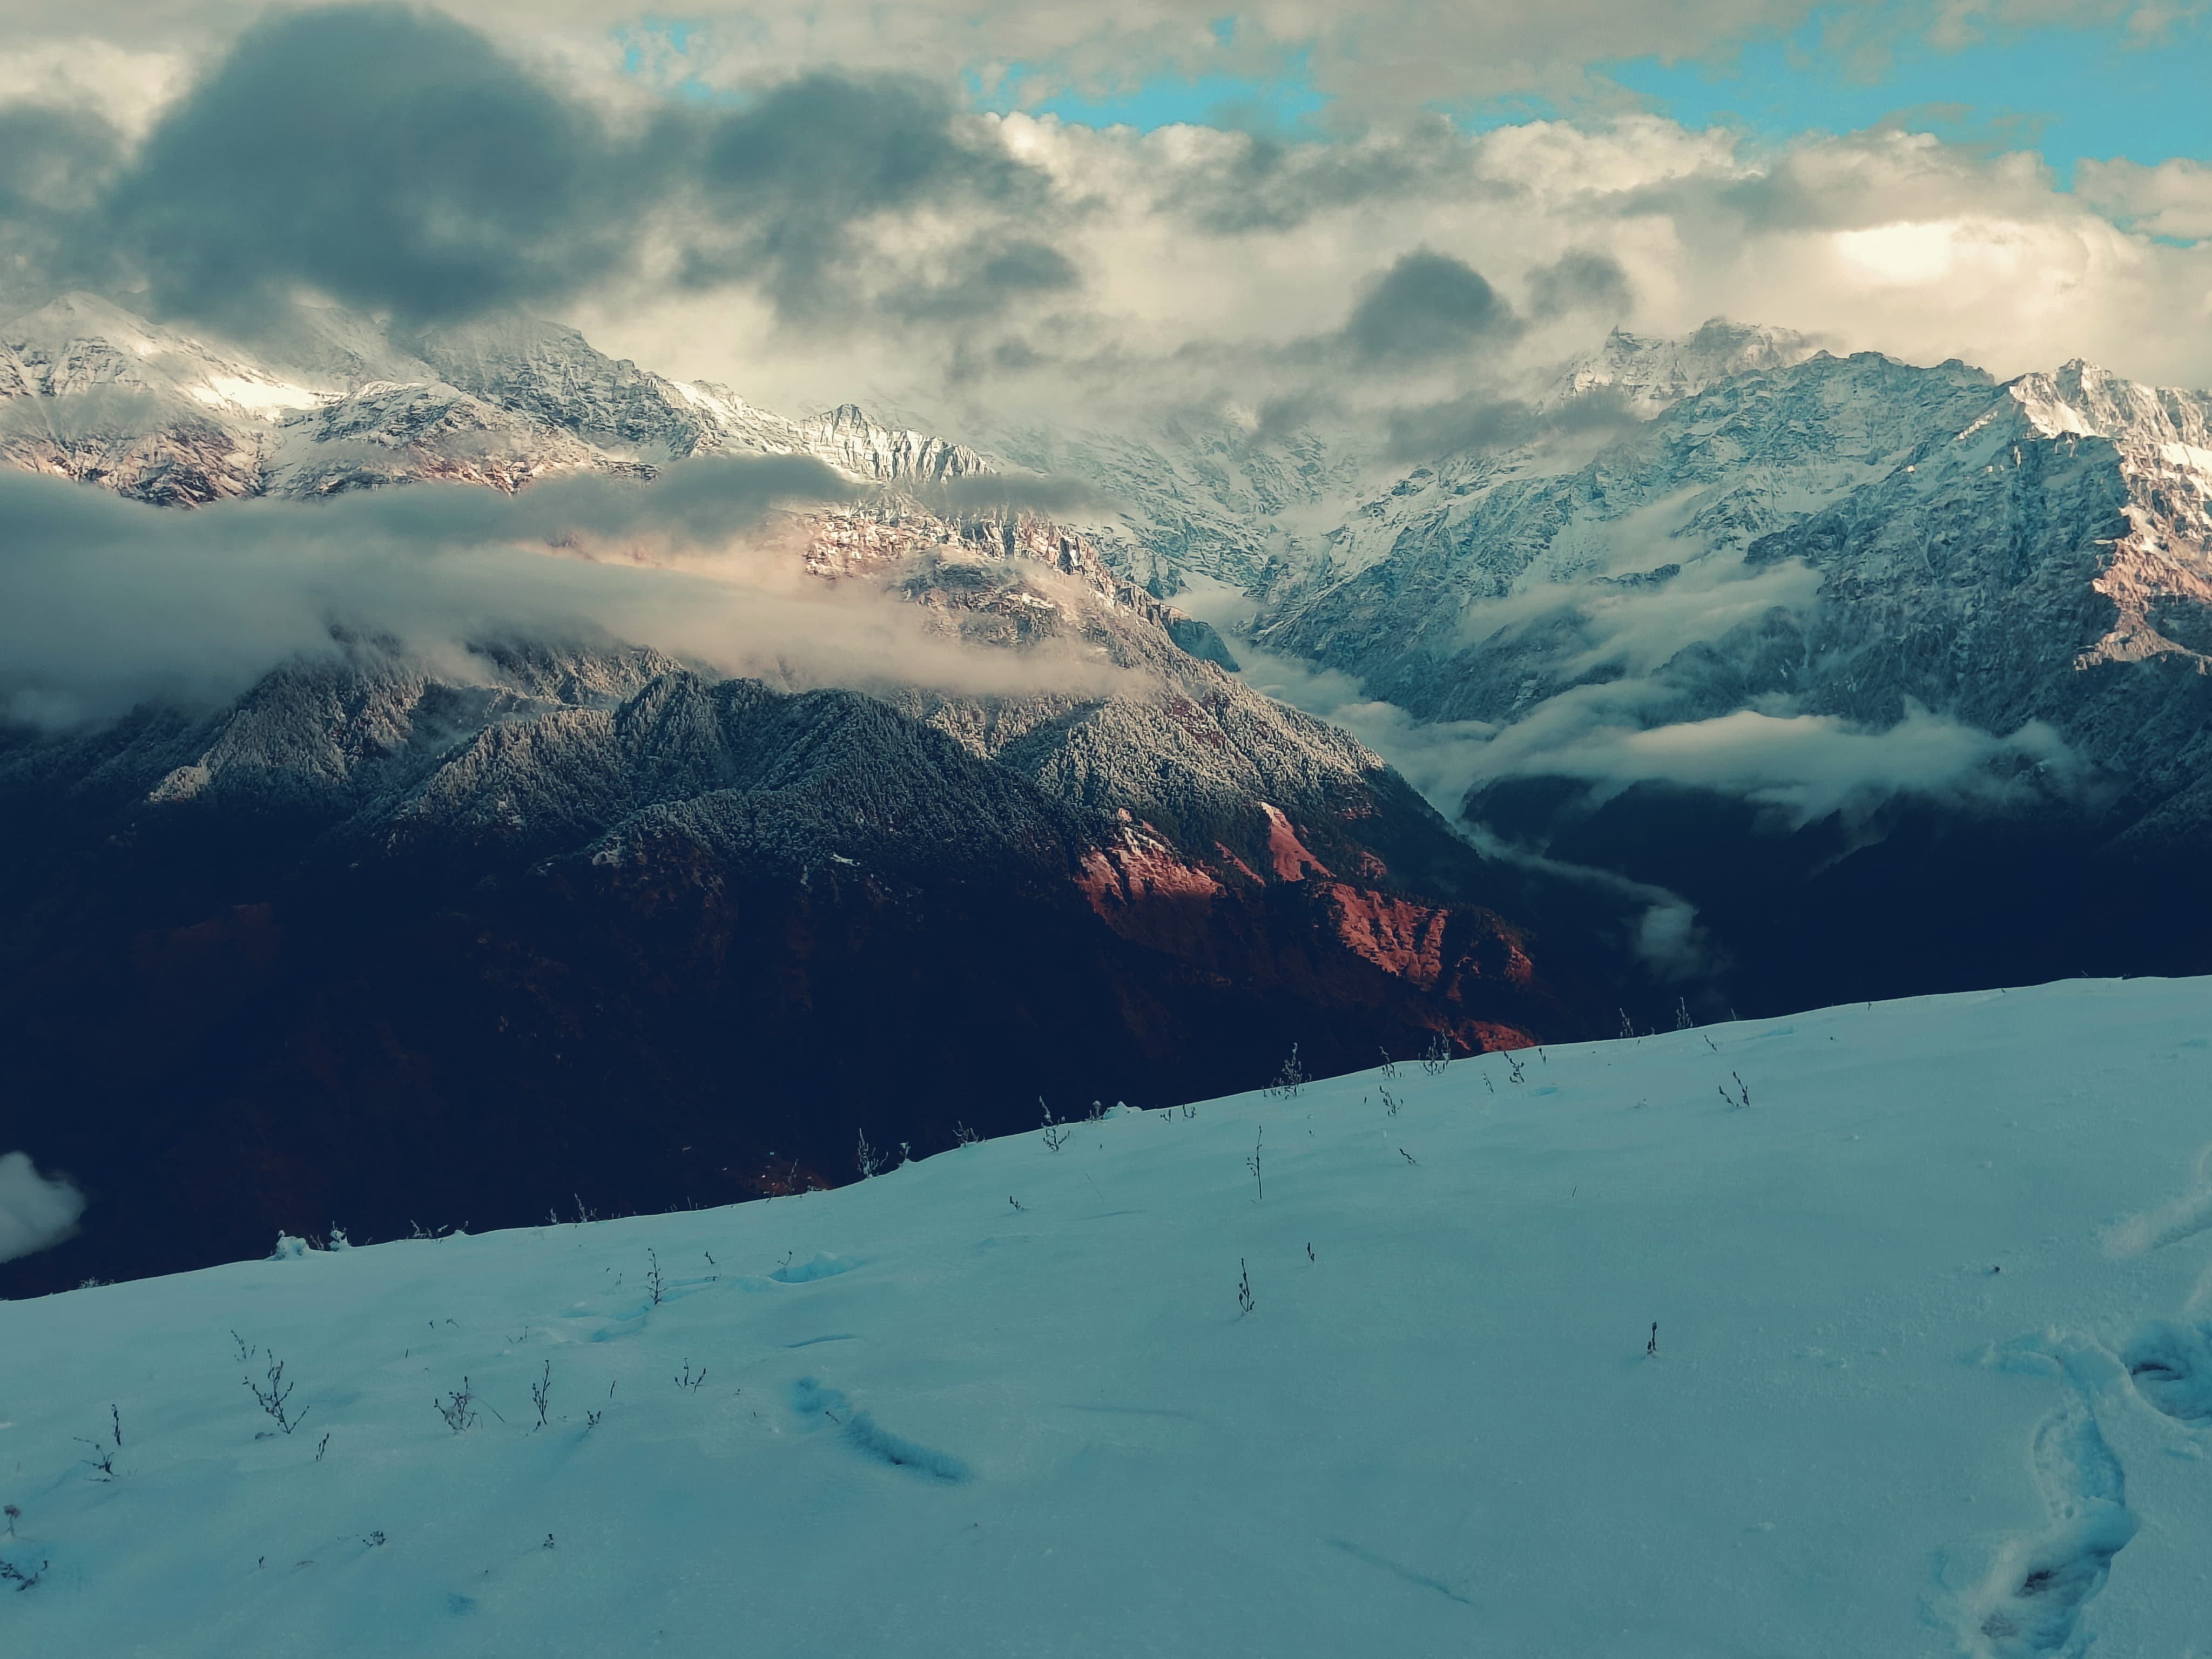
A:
(404, 931)
(1815, 621)
(90, 391)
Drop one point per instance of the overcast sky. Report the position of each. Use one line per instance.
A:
(1046, 202)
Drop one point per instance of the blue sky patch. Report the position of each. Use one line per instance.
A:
(2069, 91)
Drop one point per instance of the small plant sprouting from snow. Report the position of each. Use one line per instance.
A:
(12, 1574)
(869, 1161)
(102, 1461)
(1055, 1134)
(1438, 1056)
(1741, 1100)
(1290, 1079)
(458, 1407)
(274, 1394)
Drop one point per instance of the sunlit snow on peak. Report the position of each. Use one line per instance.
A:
(269, 400)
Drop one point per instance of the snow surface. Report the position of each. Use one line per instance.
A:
(935, 1423)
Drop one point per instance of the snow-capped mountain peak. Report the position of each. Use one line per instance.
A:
(89, 390)
(1651, 372)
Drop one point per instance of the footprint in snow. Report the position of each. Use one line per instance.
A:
(2031, 1603)
(2170, 1365)
(829, 1407)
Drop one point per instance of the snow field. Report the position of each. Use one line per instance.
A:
(1934, 1378)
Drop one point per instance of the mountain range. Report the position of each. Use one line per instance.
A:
(430, 938)
(1770, 678)
(1895, 674)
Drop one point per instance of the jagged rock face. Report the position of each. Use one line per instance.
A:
(89, 390)
(554, 372)
(1742, 458)
(381, 942)
(1855, 539)
(1198, 496)
(1229, 497)
(1976, 551)
(1649, 375)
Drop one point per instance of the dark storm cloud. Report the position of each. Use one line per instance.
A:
(1458, 425)
(1259, 182)
(783, 181)
(1475, 422)
(395, 160)
(390, 158)
(1581, 282)
(1425, 306)
(51, 162)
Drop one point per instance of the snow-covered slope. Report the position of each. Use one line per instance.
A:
(333, 401)
(1933, 1377)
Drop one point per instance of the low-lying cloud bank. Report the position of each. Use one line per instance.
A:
(105, 604)
(1633, 722)
(1804, 767)
(36, 1211)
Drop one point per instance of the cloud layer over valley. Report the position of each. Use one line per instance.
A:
(111, 604)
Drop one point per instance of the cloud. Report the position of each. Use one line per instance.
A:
(1013, 492)
(806, 234)
(399, 162)
(2173, 198)
(785, 179)
(1228, 183)
(1804, 766)
(36, 1211)
(113, 603)
(391, 159)
(1443, 760)
(1580, 280)
(985, 276)
(1634, 708)
(1426, 304)
(1479, 421)
(51, 161)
